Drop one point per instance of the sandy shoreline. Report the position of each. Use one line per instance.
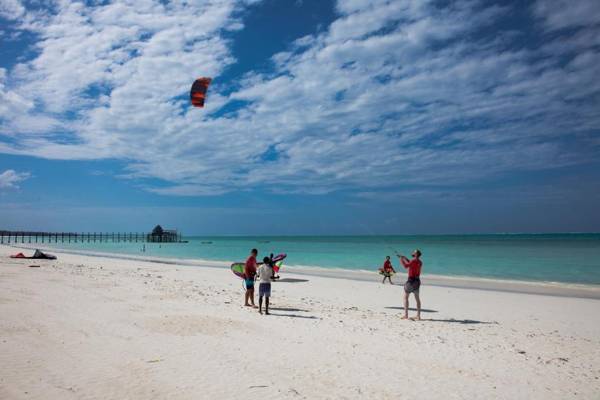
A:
(87, 327)
(459, 282)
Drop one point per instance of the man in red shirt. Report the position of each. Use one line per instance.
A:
(249, 274)
(413, 283)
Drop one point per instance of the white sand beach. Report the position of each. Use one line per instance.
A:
(88, 327)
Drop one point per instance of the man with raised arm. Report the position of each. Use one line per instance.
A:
(413, 282)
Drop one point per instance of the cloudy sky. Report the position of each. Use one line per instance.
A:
(324, 117)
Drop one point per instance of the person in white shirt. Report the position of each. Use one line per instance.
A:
(265, 273)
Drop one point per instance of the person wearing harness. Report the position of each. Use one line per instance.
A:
(249, 276)
(387, 270)
(413, 283)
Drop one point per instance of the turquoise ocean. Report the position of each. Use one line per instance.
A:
(569, 258)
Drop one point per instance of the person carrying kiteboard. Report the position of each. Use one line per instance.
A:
(413, 282)
(269, 260)
(276, 263)
(249, 275)
(387, 270)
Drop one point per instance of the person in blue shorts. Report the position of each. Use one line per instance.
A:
(249, 275)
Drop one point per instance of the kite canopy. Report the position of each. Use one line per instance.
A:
(277, 266)
(279, 257)
(37, 255)
(198, 92)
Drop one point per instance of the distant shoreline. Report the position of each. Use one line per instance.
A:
(401, 235)
(559, 289)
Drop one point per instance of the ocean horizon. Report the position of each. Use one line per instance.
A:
(572, 258)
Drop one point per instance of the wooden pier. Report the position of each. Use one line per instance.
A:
(167, 236)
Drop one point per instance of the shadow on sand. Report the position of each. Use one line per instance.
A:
(290, 309)
(461, 321)
(426, 310)
(292, 315)
(291, 280)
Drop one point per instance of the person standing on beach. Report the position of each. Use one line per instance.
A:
(272, 265)
(413, 283)
(249, 275)
(265, 274)
(387, 270)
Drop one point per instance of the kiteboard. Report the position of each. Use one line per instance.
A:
(391, 273)
(238, 269)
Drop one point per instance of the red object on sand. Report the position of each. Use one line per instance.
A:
(38, 255)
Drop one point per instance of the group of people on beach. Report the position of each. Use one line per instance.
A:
(264, 273)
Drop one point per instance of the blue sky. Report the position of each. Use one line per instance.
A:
(324, 117)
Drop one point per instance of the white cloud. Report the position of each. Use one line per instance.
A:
(11, 103)
(392, 93)
(559, 14)
(10, 179)
(187, 190)
(11, 9)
